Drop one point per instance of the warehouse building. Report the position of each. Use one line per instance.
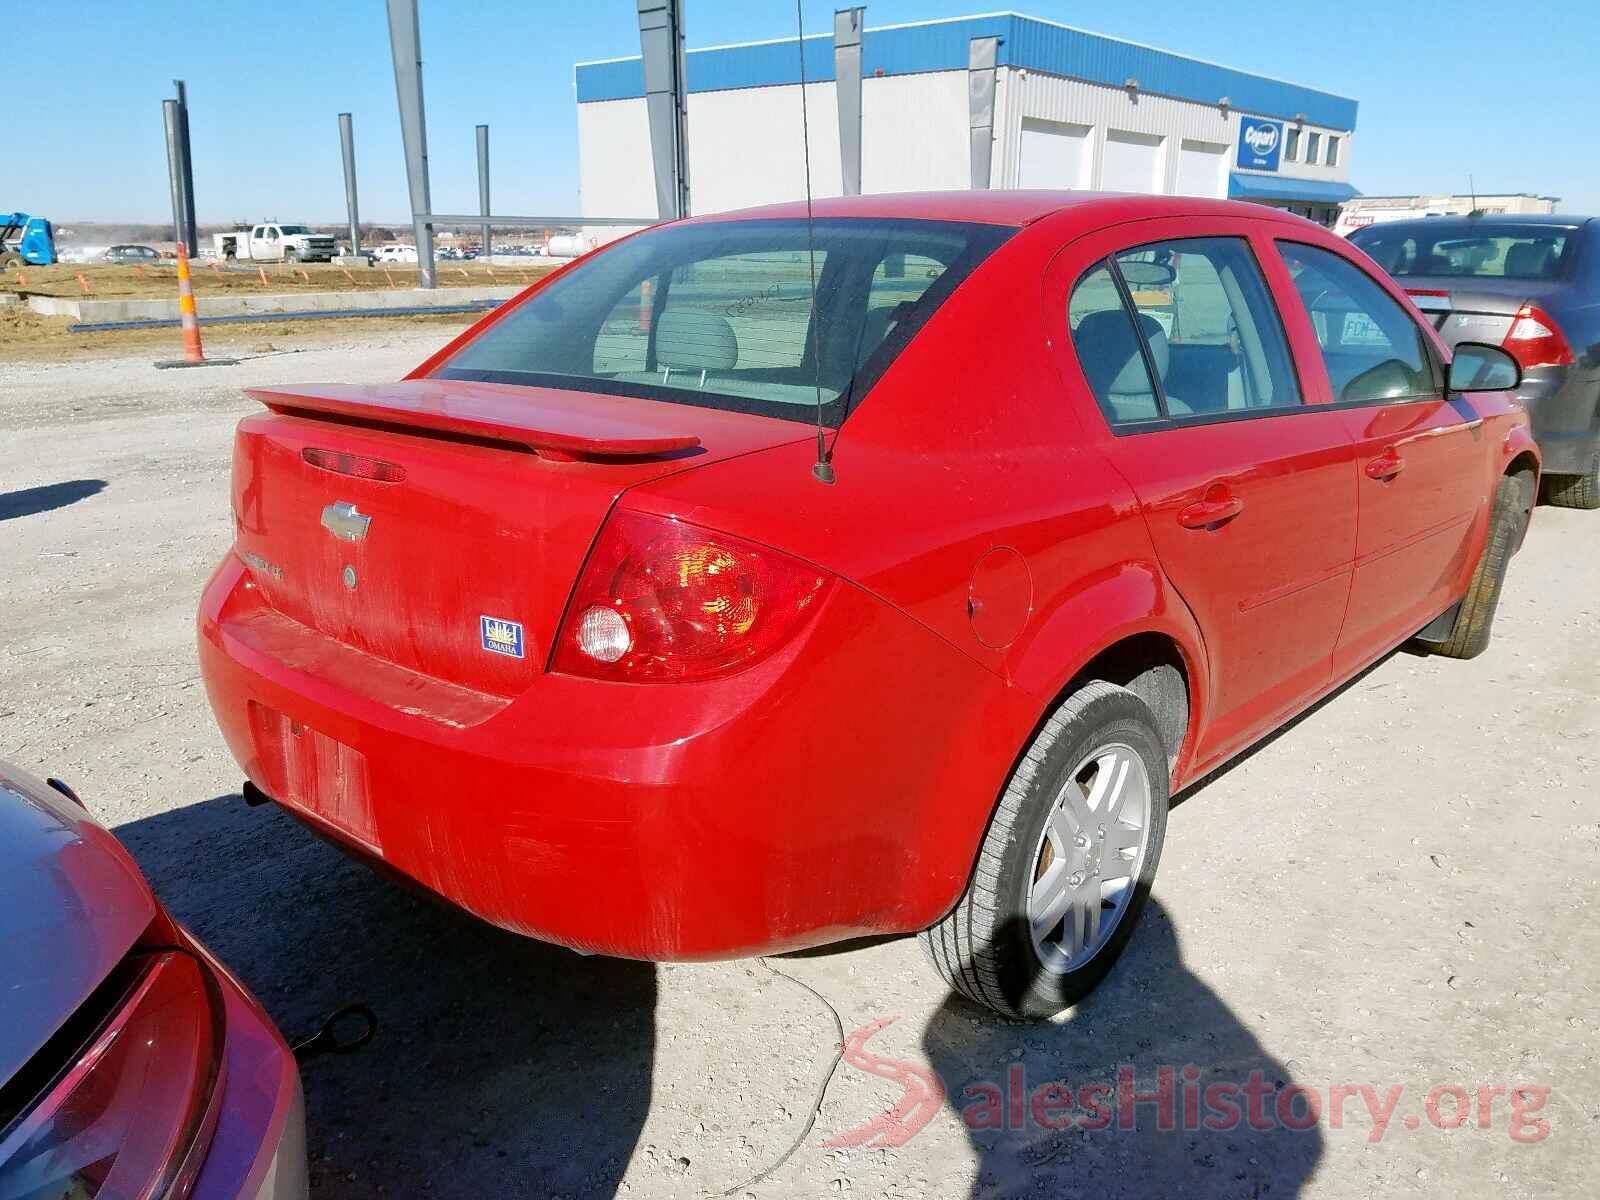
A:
(1370, 210)
(1071, 109)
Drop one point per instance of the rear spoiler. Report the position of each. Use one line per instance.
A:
(556, 425)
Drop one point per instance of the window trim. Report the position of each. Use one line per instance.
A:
(1131, 311)
(1436, 366)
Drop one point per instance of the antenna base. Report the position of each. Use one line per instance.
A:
(822, 471)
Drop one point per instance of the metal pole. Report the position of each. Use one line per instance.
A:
(191, 231)
(847, 27)
(483, 185)
(405, 41)
(667, 102)
(982, 55)
(171, 116)
(347, 143)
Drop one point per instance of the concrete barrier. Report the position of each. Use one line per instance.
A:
(88, 310)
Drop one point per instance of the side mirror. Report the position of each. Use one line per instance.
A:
(1478, 367)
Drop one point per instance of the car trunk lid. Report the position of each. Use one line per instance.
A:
(1473, 309)
(440, 525)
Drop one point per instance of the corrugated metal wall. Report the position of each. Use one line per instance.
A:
(1024, 93)
(745, 142)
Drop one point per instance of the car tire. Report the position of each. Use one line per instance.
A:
(1575, 491)
(291, 256)
(1469, 635)
(987, 948)
(11, 262)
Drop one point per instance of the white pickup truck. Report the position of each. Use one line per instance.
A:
(275, 242)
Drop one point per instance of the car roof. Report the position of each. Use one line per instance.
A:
(1003, 207)
(1462, 221)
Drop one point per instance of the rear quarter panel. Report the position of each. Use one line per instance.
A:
(967, 498)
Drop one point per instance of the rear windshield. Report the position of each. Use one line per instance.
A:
(1498, 252)
(720, 314)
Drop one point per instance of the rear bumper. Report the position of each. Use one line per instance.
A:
(838, 788)
(258, 1151)
(1563, 406)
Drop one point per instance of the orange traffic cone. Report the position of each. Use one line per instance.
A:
(193, 355)
(187, 316)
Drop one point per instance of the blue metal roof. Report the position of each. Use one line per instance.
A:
(942, 46)
(1286, 187)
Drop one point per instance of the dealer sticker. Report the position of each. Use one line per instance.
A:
(500, 636)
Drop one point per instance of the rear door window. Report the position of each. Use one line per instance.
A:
(1201, 324)
(1373, 350)
(774, 317)
(1109, 350)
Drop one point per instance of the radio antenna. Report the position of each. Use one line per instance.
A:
(822, 469)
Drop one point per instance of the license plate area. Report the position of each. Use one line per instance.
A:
(315, 773)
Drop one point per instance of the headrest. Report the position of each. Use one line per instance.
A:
(1528, 259)
(1109, 352)
(691, 339)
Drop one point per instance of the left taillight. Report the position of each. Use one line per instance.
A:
(660, 601)
(130, 1112)
(1535, 340)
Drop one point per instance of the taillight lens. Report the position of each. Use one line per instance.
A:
(660, 600)
(1535, 340)
(120, 1121)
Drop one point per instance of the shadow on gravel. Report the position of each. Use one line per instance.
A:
(28, 502)
(501, 1066)
(1153, 1016)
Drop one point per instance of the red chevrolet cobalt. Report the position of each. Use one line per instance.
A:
(773, 578)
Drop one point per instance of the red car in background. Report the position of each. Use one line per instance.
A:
(772, 578)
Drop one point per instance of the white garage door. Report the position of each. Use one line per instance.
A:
(1132, 162)
(1054, 154)
(1201, 169)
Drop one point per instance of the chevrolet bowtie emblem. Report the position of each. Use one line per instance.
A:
(345, 523)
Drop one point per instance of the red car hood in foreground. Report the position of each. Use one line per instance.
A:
(72, 902)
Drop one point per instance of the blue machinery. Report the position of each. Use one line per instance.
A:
(26, 241)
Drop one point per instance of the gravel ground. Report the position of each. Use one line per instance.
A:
(1398, 892)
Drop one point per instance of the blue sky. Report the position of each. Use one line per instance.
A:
(1506, 94)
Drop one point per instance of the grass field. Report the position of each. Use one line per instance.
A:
(114, 281)
(25, 336)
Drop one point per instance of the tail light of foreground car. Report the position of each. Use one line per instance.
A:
(129, 1115)
(1535, 340)
(660, 601)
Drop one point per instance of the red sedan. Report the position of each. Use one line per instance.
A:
(777, 577)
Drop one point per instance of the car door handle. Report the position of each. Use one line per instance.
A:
(1386, 466)
(1218, 508)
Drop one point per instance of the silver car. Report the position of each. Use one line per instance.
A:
(1530, 284)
